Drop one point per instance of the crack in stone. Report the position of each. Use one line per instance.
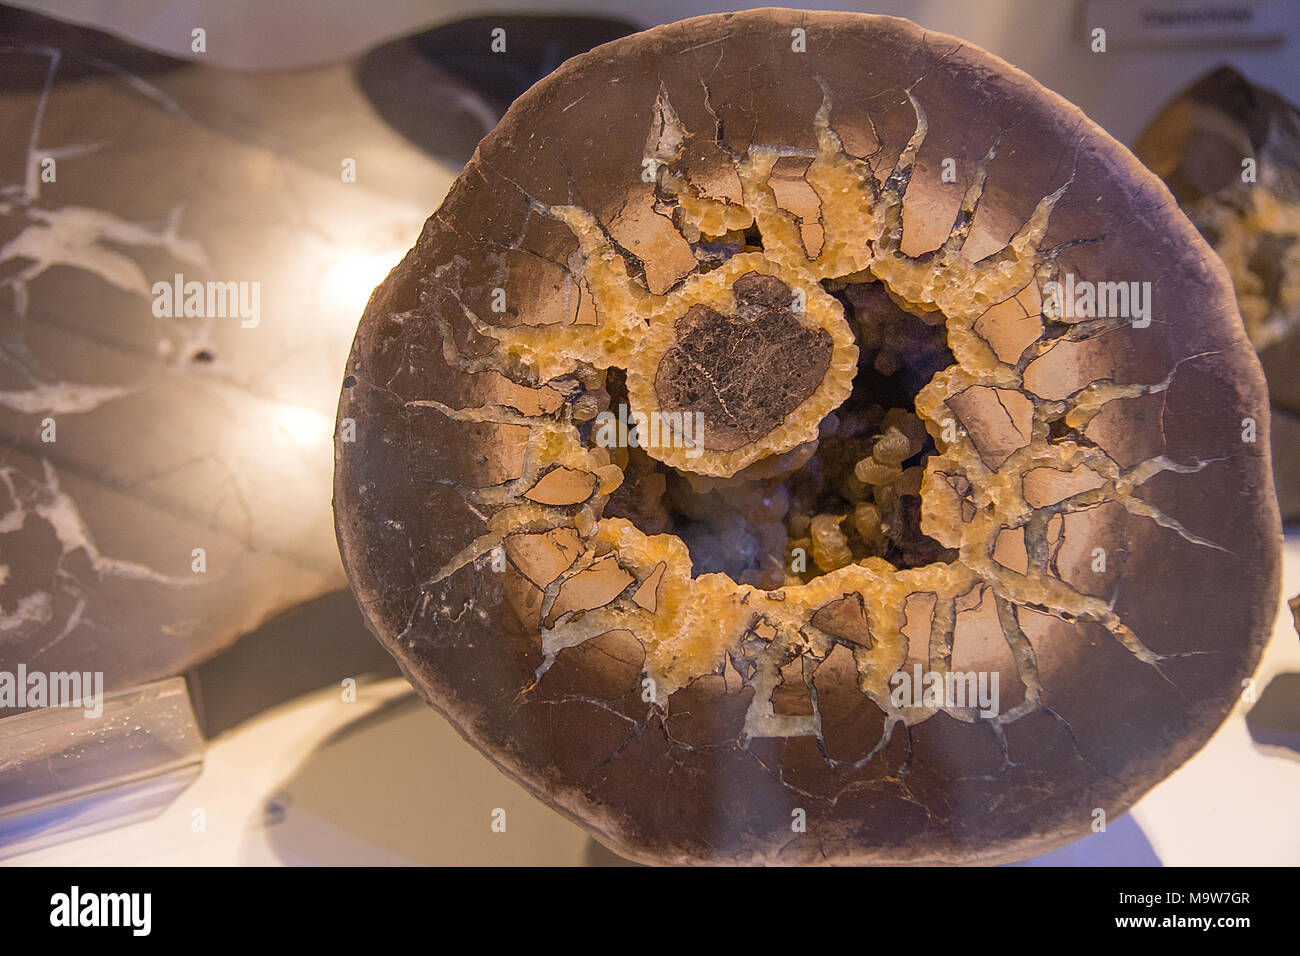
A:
(866, 237)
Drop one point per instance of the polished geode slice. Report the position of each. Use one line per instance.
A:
(980, 537)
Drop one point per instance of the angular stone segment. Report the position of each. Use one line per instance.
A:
(744, 372)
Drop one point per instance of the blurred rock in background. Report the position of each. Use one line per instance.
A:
(1230, 152)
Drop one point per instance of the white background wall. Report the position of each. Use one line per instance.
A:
(1047, 38)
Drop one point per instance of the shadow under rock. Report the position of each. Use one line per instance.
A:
(310, 647)
(1274, 721)
(1122, 843)
(399, 785)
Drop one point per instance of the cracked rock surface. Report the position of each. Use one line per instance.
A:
(170, 432)
(882, 384)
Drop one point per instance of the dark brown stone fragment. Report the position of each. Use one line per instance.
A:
(745, 372)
